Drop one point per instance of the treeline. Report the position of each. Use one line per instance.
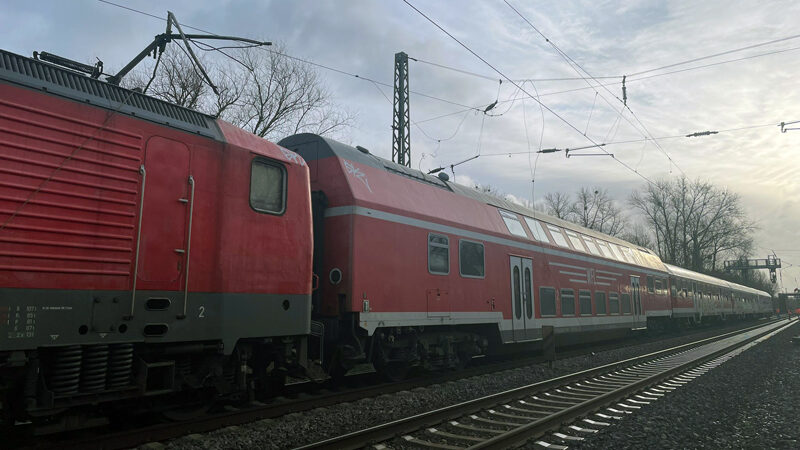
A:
(688, 223)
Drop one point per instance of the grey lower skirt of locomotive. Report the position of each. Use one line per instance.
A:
(50, 389)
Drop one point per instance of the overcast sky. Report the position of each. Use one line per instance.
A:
(607, 39)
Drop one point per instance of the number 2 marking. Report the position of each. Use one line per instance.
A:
(202, 312)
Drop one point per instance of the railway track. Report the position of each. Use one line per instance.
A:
(302, 400)
(563, 409)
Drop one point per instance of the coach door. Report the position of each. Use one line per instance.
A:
(522, 298)
(636, 297)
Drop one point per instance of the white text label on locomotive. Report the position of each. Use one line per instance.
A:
(20, 320)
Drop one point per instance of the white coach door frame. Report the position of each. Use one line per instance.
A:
(636, 298)
(522, 300)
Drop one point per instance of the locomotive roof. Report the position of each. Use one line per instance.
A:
(330, 147)
(57, 80)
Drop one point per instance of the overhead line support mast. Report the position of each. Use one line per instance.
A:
(401, 124)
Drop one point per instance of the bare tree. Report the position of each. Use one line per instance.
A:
(595, 209)
(592, 208)
(695, 224)
(558, 204)
(638, 234)
(260, 91)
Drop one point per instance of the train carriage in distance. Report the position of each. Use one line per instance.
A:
(698, 297)
(416, 269)
(145, 249)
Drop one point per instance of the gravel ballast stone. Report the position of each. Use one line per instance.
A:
(750, 401)
(319, 424)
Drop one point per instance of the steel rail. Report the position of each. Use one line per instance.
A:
(555, 421)
(389, 430)
(112, 439)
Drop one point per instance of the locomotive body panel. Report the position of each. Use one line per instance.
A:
(74, 179)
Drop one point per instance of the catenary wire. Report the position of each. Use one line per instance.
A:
(306, 61)
(575, 66)
(647, 139)
(551, 111)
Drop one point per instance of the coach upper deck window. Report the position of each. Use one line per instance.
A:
(576, 241)
(557, 236)
(438, 254)
(513, 224)
(267, 187)
(470, 259)
(537, 230)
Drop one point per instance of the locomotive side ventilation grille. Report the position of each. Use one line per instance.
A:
(41, 75)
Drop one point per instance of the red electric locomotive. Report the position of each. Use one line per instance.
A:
(145, 249)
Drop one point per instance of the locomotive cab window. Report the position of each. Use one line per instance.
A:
(471, 259)
(438, 254)
(267, 187)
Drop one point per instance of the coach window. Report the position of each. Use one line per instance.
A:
(623, 256)
(536, 230)
(600, 302)
(625, 299)
(605, 249)
(658, 286)
(576, 241)
(470, 259)
(615, 252)
(631, 256)
(592, 246)
(585, 300)
(438, 254)
(650, 285)
(557, 236)
(613, 303)
(513, 224)
(547, 301)
(567, 302)
(267, 187)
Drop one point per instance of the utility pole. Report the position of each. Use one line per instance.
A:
(401, 125)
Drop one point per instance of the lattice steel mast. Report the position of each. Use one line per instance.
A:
(401, 125)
